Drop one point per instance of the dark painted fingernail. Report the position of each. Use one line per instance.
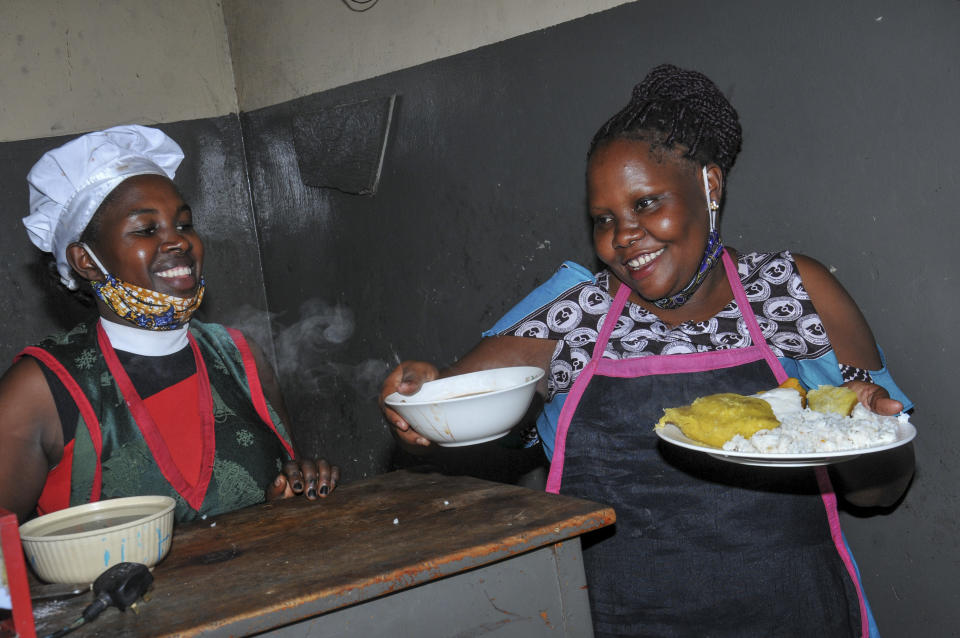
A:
(312, 493)
(324, 490)
(297, 485)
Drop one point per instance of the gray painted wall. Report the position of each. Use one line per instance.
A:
(849, 127)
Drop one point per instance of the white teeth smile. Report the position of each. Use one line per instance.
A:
(179, 271)
(643, 260)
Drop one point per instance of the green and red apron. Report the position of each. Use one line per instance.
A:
(212, 442)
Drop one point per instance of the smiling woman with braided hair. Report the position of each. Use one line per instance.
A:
(701, 547)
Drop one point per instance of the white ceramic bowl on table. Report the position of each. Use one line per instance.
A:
(77, 544)
(469, 408)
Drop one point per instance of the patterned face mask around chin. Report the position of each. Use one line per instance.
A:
(143, 307)
(712, 254)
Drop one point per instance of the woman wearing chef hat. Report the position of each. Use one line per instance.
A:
(143, 400)
(701, 546)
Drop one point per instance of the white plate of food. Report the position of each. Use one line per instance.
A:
(672, 434)
(784, 427)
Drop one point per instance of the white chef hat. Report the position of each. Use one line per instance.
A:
(69, 183)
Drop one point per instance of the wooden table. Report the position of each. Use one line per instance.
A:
(401, 554)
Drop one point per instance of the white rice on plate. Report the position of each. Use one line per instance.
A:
(803, 431)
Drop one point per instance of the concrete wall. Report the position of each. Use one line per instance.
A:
(71, 66)
(285, 49)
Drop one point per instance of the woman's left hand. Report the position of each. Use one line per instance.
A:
(314, 478)
(875, 397)
(881, 479)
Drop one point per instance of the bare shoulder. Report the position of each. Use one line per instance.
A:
(814, 273)
(31, 438)
(826, 292)
(27, 407)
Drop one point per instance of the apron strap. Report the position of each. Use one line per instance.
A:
(623, 293)
(192, 494)
(836, 533)
(746, 311)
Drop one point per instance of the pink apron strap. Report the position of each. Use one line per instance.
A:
(833, 517)
(616, 307)
(756, 335)
(554, 478)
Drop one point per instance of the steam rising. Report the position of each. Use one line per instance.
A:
(310, 352)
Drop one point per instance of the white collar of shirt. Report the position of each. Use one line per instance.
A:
(148, 343)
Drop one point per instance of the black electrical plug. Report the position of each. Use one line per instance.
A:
(121, 586)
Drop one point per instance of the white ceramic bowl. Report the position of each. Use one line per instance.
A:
(77, 544)
(469, 408)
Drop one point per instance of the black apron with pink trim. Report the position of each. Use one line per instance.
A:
(701, 547)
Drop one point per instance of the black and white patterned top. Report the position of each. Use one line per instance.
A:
(772, 283)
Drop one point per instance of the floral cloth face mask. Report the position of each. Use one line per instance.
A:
(143, 307)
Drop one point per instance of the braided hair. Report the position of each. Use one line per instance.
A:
(673, 108)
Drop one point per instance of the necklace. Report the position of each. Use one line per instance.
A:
(711, 257)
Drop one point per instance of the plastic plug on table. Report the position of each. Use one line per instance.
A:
(121, 586)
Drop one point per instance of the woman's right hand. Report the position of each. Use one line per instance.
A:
(313, 477)
(491, 352)
(406, 378)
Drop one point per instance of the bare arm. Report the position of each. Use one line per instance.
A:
(492, 352)
(846, 326)
(501, 352)
(31, 438)
(874, 480)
